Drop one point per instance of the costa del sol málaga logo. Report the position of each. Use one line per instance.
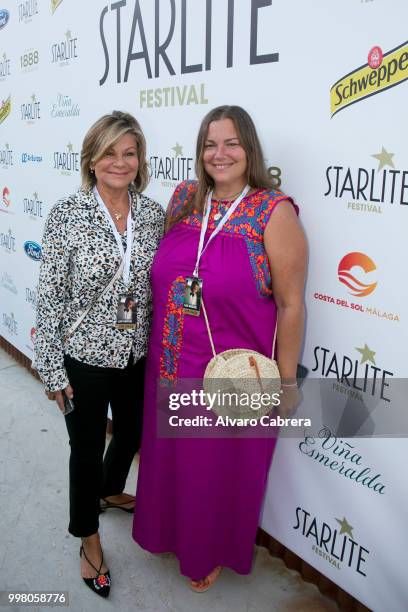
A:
(354, 285)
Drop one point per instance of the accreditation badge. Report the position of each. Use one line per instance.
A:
(192, 295)
(126, 312)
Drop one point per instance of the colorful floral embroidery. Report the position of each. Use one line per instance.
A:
(172, 333)
(248, 221)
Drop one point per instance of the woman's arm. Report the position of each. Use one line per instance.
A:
(286, 247)
(52, 289)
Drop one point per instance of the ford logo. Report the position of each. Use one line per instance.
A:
(33, 250)
(4, 17)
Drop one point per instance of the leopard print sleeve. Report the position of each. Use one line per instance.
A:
(52, 290)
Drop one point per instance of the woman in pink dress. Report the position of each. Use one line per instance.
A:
(200, 498)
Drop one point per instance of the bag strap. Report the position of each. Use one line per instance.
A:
(78, 322)
(211, 338)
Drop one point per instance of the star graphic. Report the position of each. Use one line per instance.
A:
(366, 354)
(345, 527)
(384, 158)
(70, 147)
(178, 149)
(33, 97)
(68, 34)
(35, 194)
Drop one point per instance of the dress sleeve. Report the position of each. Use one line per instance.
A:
(51, 298)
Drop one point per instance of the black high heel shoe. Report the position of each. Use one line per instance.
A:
(102, 582)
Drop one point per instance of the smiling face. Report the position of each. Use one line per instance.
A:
(224, 158)
(118, 166)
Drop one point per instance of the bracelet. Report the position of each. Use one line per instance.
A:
(286, 385)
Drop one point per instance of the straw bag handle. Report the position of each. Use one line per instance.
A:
(211, 338)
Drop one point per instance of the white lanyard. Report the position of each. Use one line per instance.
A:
(125, 254)
(219, 227)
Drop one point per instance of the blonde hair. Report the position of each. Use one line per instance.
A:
(257, 173)
(103, 134)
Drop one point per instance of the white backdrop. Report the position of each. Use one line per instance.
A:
(65, 63)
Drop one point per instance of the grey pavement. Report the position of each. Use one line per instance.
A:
(37, 553)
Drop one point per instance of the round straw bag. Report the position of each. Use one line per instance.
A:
(241, 377)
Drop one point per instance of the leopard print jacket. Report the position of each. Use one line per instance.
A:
(79, 257)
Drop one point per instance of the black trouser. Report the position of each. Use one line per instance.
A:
(91, 475)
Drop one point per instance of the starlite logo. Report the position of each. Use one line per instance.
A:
(30, 111)
(65, 50)
(27, 10)
(5, 109)
(32, 250)
(371, 187)
(4, 18)
(354, 285)
(359, 374)
(33, 206)
(6, 156)
(31, 297)
(173, 168)
(4, 67)
(333, 540)
(171, 49)
(381, 72)
(8, 242)
(67, 161)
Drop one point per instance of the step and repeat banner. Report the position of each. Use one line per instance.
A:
(325, 82)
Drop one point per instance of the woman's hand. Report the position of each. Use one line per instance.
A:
(58, 396)
(289, 401)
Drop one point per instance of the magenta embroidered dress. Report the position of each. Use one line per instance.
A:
(201, 498)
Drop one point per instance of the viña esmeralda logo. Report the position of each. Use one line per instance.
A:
(6, 156)
(33, 206)
(354, 376)
(65, 50)
(5, 68)
(10, 323)
(27, 10)
(31, 110)
(333, 539)
(342, 458)
(64, 106)
(67, 161)
(369, 189)
(173, 168)
(7, 282)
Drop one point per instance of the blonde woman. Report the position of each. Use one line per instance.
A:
(98, 247)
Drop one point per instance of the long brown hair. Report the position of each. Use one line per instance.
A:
(257, 174)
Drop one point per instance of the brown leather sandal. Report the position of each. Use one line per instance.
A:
(200, 586)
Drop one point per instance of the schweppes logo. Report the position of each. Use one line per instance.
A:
(5, 109)
(381, 72)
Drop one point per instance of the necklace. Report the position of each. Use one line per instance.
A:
(229, 197)
(118, 215)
